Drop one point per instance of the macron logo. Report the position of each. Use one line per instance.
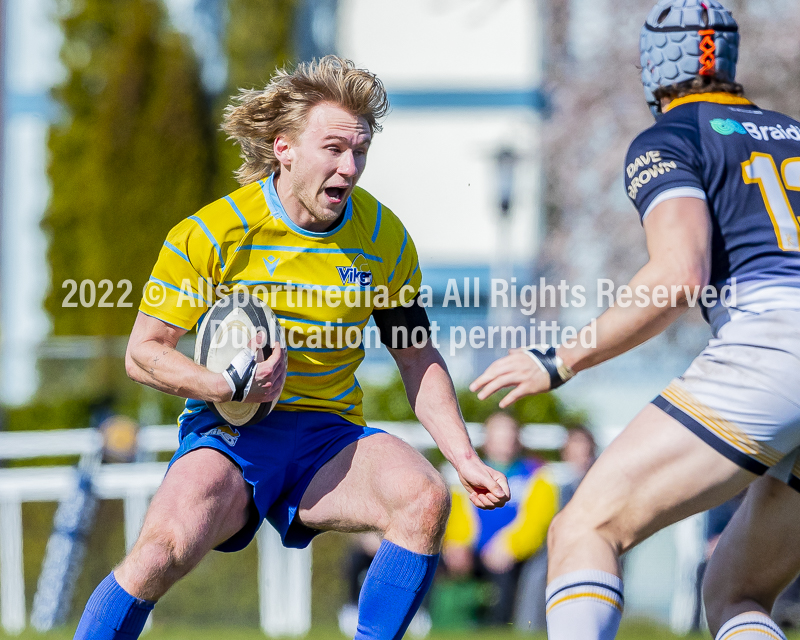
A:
(271, 264)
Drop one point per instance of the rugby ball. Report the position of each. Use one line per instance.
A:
(228, 327)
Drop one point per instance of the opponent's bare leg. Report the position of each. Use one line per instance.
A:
(653, 474)
(382, 484)
(202, 502)
(756, 558)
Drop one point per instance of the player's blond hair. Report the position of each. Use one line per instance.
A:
(255, 118)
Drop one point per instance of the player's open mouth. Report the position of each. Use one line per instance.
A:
(335, 194)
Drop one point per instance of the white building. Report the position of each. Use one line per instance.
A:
(31, 42)
(464, 79)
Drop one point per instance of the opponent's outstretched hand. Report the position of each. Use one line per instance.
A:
(487, 488)
(270, 374)
(516, 370)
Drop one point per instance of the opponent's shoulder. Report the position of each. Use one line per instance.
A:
(760, 124)
(676, 132)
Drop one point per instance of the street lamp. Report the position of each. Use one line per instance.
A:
(506, 161)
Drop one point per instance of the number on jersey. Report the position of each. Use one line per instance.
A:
(761, 169)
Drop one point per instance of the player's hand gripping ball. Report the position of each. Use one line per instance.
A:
(227, 343)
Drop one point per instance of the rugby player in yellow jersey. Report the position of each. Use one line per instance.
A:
(298, 225)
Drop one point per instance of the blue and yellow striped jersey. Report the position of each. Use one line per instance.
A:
(323, 287)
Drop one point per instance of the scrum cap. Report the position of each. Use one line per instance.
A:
(683, 39)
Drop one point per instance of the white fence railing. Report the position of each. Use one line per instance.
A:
(284, 604)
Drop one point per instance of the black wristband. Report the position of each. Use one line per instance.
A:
(548, 360)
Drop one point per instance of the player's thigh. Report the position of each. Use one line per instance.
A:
(757, 555)
(653, 474)
(202, 502)
(379, 483)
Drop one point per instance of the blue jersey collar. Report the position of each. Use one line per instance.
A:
(277, 210)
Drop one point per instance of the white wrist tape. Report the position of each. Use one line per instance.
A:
(240, 372)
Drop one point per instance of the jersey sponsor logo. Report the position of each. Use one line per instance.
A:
(648, 166)
(778, 132)
(228, 434)
(727, 127)
(358, 273)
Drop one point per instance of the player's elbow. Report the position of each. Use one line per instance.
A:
(684, 282)
(132, 367)
(687, 283)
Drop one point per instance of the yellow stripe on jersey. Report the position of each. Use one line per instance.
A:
(322, 287)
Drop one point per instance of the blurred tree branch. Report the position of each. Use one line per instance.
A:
(599, 107)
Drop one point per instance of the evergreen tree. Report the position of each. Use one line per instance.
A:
(130, 157)
(258, 40)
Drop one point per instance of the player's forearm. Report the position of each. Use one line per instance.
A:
(433, 399)
(163, 367)
(620, 329)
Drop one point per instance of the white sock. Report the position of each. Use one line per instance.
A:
(751, 626)
(584, 605)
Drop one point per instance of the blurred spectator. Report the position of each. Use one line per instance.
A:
(577, 455)
(120, 438)
(492, 545)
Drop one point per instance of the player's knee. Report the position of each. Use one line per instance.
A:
(427, 505)
(566, 529)
(165, 557)
(437, 505)
(573, 526)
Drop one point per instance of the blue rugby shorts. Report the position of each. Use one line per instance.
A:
(278, 457)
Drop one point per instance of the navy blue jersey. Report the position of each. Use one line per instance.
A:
(745, 162)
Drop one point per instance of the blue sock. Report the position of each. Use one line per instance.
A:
(396, 583)
(113, 614)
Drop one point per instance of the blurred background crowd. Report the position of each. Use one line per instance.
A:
(503, 155)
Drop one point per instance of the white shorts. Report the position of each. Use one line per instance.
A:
(741, 395)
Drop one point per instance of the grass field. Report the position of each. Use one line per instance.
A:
(629, 631)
